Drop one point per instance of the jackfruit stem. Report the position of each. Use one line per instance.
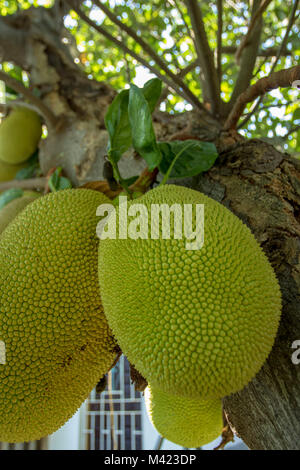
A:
(118, 176)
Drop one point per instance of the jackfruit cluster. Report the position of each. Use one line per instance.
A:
(57, 341)
(20, 133)
(8, 172)
(197, 324)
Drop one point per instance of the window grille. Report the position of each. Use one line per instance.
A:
(42, 444)
(113, 419)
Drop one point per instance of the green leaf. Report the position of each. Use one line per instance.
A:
(281, 15)
(118, 126)
(131, 180)
(296, 115)
(34, 159)
(26, 173)
(152, 92)
(9, 196)
(30, 169)
(117, 119)
(64, 183)
(298, 140)
(57, 182)
(195, 157)
(143, 137)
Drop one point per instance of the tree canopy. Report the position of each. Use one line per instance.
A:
(124, 41)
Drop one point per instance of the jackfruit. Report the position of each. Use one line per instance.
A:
(12, 209)
(20, 133)
(8, 172)
(57, 341)
(184, 421)
(198, 323)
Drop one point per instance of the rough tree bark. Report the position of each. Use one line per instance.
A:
(258, 183)
(262, 187)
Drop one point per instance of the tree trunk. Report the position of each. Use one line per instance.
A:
(258, 183)
(262, 187)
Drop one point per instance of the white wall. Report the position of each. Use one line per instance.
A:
(67, 437)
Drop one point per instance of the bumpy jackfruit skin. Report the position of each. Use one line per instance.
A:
(197, 323)
(20, 133)
(13, 208)
(184, 421)
(58, 343)
(8, 172)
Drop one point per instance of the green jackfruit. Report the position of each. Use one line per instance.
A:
(12, 209)
(57, 341)
(8, 172)
(20, 133)
(184, 421)
(197, 323)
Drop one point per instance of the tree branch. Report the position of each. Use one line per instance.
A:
(4, 107)
(291, 131)
(59, 10)
(263, 62)
(35, 183)
(13, 43)
(209, 77)
(283, 78)
(127, 63)
(219, 41)
(184, 93)
(18, 29)
(269, 52)
(176, 5)
(277, 105)
(254, 19)
(163, 96)
(248, 59)
(145, 46)
(43, 110)
(278, 55)
(188, 68)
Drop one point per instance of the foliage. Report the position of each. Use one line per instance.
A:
(7, 7)
(9, 196)
(31, 169)
(165, 26)
(129, 123)
(190, 157)
(57, 182)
